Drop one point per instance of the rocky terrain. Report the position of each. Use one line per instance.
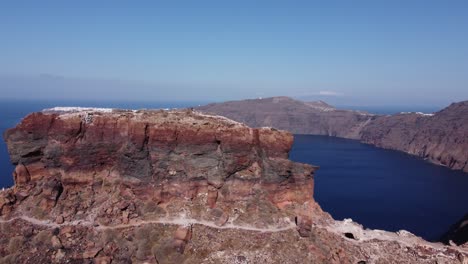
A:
(118, 186)
(441, 138)
(458, 234)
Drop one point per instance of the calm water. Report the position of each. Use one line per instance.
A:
(378, 188)
(383, 189)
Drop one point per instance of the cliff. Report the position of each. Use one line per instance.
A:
(440, 137)
(315, 118)
(118, 186)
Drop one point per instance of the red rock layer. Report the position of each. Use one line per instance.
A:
(163, 155)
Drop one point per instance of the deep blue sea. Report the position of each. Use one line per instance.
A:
(381, 189)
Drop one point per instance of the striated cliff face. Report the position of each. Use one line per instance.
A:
(117, 186)
(440, 137)
(155, 147)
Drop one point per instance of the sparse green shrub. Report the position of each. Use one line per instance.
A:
(165, 253)
(10, 259)
(144, 249)
(39, 213)
(142, 233)
(5, 228)
(154, 236)
(91, 235)
(42, 238)
(108, 236)
(126, 245)
(15, 244)
(149, 207)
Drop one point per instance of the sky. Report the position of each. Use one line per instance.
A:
(351, 52)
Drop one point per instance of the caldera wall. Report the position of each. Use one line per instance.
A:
(440, 137)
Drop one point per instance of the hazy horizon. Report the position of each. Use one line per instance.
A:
(156, 104)
(362, 53)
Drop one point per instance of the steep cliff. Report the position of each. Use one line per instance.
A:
(103, 185)
(440, 137)
(315, 118)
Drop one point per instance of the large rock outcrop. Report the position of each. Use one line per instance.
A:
(440, 137)
(116, 186)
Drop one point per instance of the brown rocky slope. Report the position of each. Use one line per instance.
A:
(116, 186)
(442, 137)
(315, 118)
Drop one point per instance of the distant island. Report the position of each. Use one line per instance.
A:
(441, 137)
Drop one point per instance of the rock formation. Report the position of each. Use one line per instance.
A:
(118, 186)
(458, 233)
(442, 137)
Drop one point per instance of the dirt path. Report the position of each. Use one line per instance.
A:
(166, 221)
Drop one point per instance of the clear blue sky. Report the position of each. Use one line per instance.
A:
(354, 52)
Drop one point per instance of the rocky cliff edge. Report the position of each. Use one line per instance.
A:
(120, 186)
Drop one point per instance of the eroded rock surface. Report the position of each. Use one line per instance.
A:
(117, 186)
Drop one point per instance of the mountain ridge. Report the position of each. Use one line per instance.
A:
(441, 137)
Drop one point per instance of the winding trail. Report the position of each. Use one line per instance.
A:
(164, 221)
(339, 227)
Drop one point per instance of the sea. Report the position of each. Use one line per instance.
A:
(378, 188)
